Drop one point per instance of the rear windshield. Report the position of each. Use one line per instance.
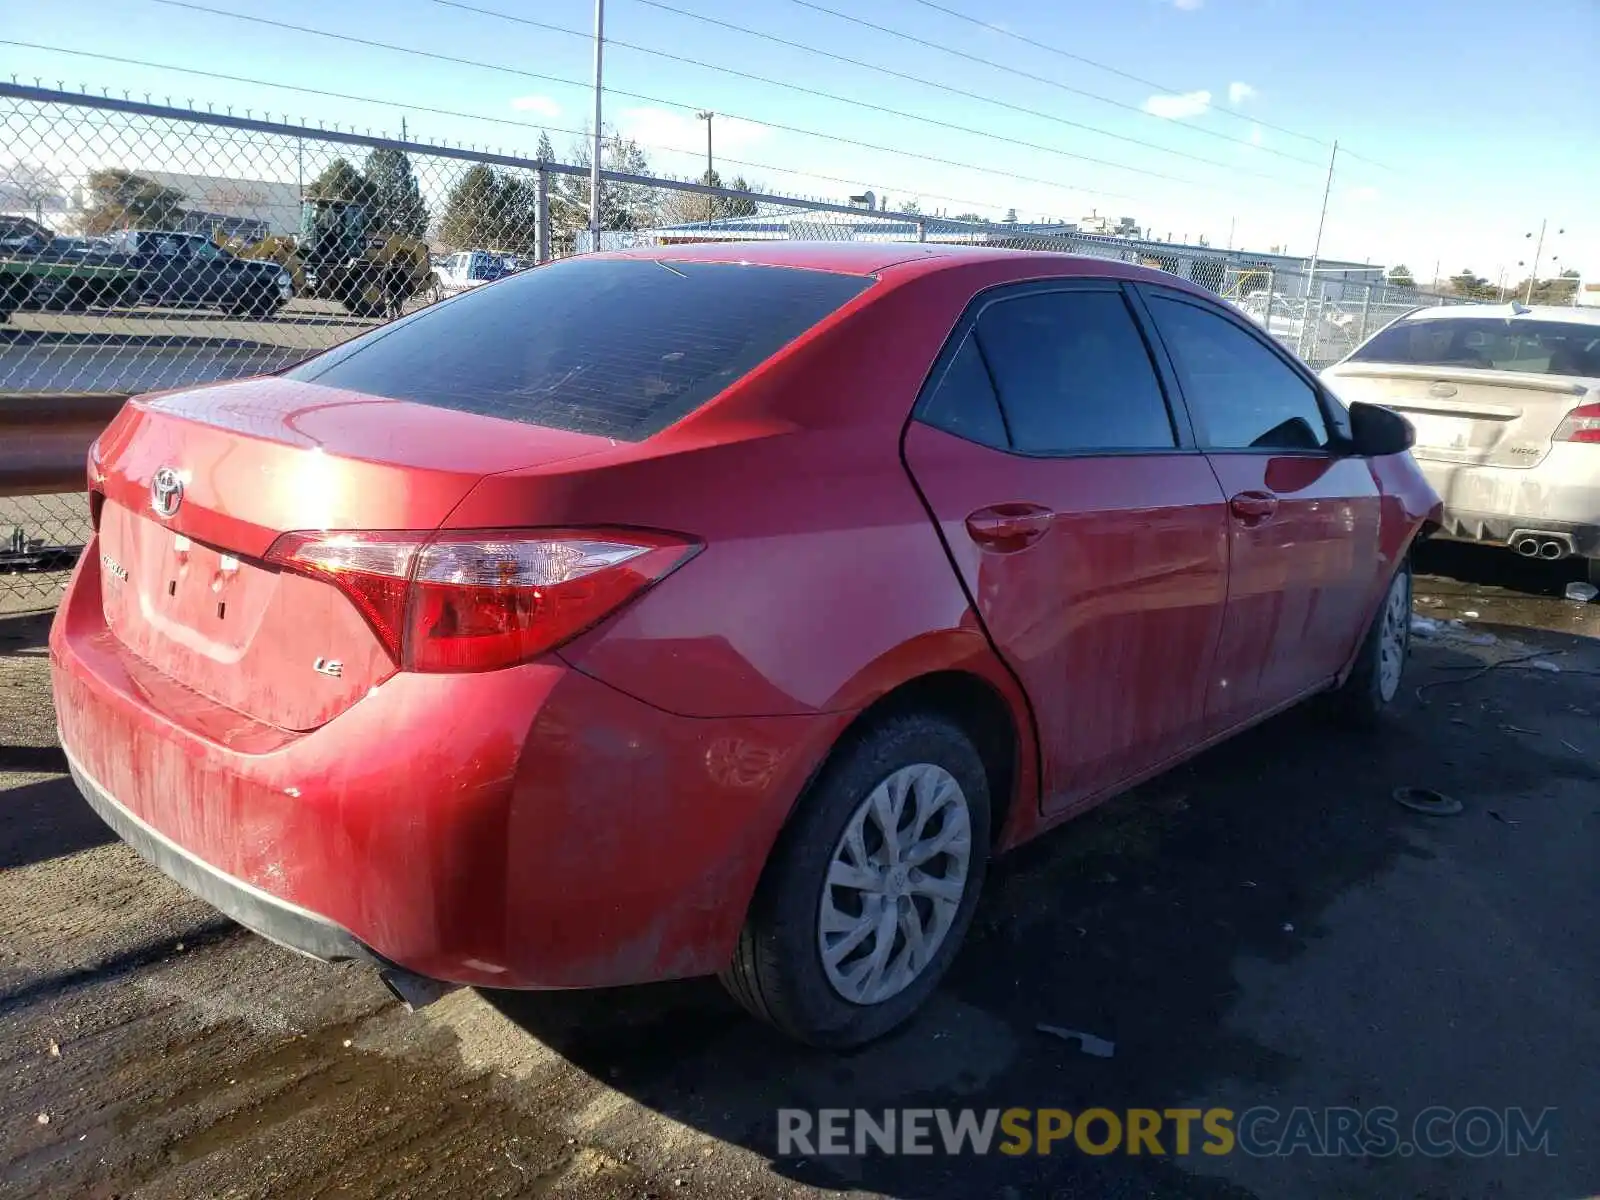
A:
(621, 348)
(1491, 343)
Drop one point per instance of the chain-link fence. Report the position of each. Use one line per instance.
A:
(144, 247)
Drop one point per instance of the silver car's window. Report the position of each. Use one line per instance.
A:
(1489, 343)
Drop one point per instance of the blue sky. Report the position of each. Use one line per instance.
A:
(1472, 119)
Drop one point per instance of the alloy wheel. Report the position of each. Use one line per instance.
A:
(895, 883)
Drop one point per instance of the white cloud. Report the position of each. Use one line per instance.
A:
(1364, 195)
(1187, 5)
(1255, 135)
(656, 128)
(1176, 108)
(1238, 93)
(542, 105)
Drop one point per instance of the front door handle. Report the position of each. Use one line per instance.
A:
(1007, 528)
(1252, 508)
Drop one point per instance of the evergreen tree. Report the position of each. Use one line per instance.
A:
(396, 200)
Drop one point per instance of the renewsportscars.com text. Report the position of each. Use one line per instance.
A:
(1262, 1132)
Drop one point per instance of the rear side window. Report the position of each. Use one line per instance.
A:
(964, 403)
(1488, 343)
(620, 348)
(1073, 374)
(1241, 395)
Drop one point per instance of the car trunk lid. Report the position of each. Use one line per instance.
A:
(1467, 416)
(184, 582)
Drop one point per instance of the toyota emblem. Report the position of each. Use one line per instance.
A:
(166, 492)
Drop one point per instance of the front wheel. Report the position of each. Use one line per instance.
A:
(1374, 682)
(871, 888)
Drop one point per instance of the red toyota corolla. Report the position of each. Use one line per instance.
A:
(713, 609)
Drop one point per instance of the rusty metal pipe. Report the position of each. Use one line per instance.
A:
(45, 438)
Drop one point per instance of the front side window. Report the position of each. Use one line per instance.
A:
(1241, 395)
(1073, 374)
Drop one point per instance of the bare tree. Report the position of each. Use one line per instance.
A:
(29, 185)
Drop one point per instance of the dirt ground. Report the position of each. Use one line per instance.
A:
(1264, 926)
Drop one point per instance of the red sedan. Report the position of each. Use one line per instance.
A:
(714, 609)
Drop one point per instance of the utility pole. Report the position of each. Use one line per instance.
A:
(1232, 222)
(705, 115)
(1316, 253)
(403, 130)
(594, 166)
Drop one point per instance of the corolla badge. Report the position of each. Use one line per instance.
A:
(166, 492)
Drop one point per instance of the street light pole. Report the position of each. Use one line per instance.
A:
(705, 115)
(1538, 249)
(594, 165)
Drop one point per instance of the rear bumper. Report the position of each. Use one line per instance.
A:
(1488, 504)
(261, 912)
(531, 827)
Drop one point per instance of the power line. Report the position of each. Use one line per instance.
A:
(1139, 79)
(649, 99)
(893, 74)
(412, 106)
(1100, 66)
(1055, 83)
(854, 102)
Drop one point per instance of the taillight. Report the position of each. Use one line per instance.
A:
(97, 483)
(1582, 424)
(477, 600)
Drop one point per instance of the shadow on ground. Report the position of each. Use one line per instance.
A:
(1127, 924)
(24, 634)
(46, 819)
(1498, 567)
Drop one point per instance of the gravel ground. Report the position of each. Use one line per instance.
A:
(1264, 926)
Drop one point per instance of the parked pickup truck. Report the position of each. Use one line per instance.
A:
(468, 269)
(188, 270)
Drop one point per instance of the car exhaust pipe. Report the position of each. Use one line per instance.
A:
(1541, 543)
(414, 991)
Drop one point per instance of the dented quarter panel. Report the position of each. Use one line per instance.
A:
(527, 828)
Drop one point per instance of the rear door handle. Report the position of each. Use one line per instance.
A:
(1252, 508)
(1007, 528)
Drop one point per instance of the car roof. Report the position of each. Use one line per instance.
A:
(870, 258)
(1510, 312)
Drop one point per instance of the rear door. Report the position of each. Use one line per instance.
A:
(168, 269)
(1089, 533)
(214, 273)
(1303, 518)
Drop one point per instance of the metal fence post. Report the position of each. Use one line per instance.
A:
(1366, 309)
(1272, 288)
(922, 231)
(541, 229)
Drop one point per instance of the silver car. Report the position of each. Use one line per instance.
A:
(1505, 400)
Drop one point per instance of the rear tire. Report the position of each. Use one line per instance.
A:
(889, 910)
(1374, 682)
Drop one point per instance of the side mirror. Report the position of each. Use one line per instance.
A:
(1376, 431)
